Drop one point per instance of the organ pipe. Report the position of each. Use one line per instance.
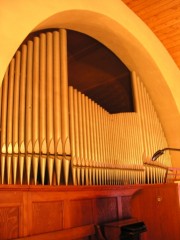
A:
(64, 107)
(88, 130)
(57, 106)
(35, 107)
(76, 132)
(48, 127)
(4, 124)
(81, 146)
(42, 105)
(9, 122)
(22, 95)
(16, 114)
(72, 135)
(49, 104)
(28, 109)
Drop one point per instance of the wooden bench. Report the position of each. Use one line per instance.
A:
(112, 230)
(83, 232)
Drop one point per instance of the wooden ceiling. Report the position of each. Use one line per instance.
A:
(163, 18)
(95, 71)
(98, 73)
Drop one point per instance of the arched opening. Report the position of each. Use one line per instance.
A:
(129, 39)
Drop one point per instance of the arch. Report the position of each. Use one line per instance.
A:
(114, 25)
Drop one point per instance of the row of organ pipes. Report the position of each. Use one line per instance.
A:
(53, 134)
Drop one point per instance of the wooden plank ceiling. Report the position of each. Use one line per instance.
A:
(163, 18)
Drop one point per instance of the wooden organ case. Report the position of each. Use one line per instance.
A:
(64, 157)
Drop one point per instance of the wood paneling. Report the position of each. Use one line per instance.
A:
(52, 212)
(106, 209)
(163, 18)
(81, 212)
(59, 212)
(78, 233)
(9, 222)
(158, 207)
(71, 212)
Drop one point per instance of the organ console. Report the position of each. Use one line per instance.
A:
(53, 134)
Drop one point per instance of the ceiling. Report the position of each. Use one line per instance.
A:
(98, 73)
(163, 18)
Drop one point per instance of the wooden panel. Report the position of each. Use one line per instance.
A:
(148, 214)
(11, 213)
(126, 210)
(54, 212)
(158, 207)
(9, 222)
(80, 212)
(25, 211)
(106, 209)
(168, 219)
(74, 233)
(47, 217)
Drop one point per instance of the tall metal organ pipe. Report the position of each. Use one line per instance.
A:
(51, 133)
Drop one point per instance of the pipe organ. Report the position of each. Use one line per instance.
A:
(51, 133)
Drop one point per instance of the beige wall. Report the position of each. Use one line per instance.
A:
(113, 24)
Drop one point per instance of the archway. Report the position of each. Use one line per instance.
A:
(116, 27)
